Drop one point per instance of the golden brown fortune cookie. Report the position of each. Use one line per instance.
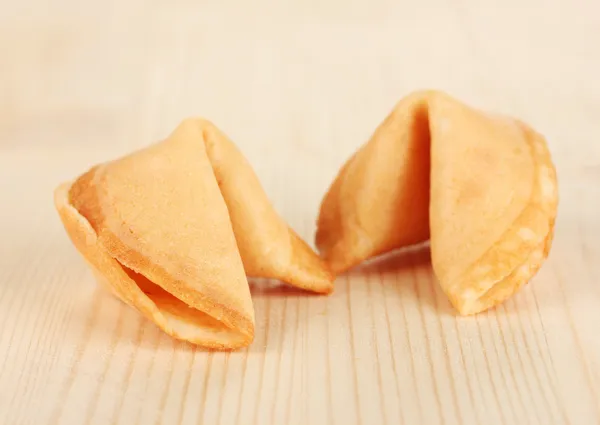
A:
(174, 229)
(482, 188)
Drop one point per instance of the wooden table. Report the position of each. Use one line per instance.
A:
(299, 86)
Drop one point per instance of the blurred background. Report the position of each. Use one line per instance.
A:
(296, 82)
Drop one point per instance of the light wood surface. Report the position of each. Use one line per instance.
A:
(298, 86)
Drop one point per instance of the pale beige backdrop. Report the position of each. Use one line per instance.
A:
(298, 85)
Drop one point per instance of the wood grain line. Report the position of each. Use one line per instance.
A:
(522, 365)
(550, 369)
(464, 365)
(503, 374)
(223, 386)
(436, 302)
(207, 371)
(157, 338)
(478, 378)
(436, 391)
(278, 367)
(290, 393)
(55, 416)
(330, 416)
(47, 315)
(510, 367)
(368, 284)
(412, 361)
(353, 352)
(128, 373)
(391, 342)
(580, 350)
(91, 408)
(63, 320)
(166, 385)
(21, 309)
(262, 366)
(489, 373)
(536, 375)
(186, 385)
(305, 334)
(241, 394)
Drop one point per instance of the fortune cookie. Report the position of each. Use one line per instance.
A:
(174, 229)
(481, 188)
